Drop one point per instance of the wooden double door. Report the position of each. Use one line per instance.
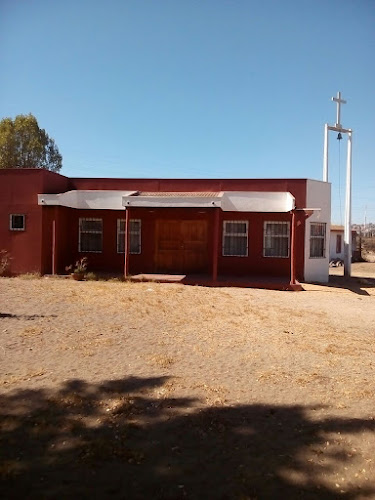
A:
(181, 246)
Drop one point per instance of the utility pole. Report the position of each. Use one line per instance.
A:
(348, 193)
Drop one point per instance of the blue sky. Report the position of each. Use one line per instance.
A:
(196, 88)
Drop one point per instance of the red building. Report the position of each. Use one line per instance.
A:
(211, 230)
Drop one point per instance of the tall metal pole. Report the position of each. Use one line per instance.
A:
(54, 247)
(293, 250)
(348, 197)
(325, 154)
(215, 246)
(127, 241)
(348, 211)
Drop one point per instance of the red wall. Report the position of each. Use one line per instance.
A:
(296, 186)
(18, 195)
(31, 250)
(67, 224)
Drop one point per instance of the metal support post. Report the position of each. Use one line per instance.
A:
(325, 153)
(348, 211)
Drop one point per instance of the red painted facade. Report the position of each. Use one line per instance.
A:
(51, 232)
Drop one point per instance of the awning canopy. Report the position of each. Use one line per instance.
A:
(90, 199)
(228, 201)
(173, 200)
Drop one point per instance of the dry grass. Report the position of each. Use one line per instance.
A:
(221, 348)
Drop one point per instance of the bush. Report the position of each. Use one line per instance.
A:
(91, 276)
(30, 276)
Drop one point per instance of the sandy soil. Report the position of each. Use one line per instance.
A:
(124, 390)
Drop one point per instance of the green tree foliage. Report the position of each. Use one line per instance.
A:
(24, 145)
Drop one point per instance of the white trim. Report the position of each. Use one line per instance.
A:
(323, 237)
(278, 222)
(90, 232)
(236, 234)
(23, 228)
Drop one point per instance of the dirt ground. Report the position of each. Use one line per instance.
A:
(139, 390)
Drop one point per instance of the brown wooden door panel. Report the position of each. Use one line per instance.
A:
(169, 261)
(166, 235)
(181, 246)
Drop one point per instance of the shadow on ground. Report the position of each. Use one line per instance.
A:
(358, 285)
(118, 439)
(354, 284)
(26, 316)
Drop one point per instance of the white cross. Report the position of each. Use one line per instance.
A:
(339, 101)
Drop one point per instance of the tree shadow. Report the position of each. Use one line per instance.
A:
(26, 316)
(118, 439)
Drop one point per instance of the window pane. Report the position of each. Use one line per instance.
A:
(135, 226)
(282, 247)
(235, 246)
(17, 221)
(134, 236)
(276, 246)
(317, 229)
(121, 243)
(276, 239)
(317, 247)
(317, 239)
(91, 242)
(91, 225)
(235, 227)
(274, 228)
(121, 225)
(134, 243)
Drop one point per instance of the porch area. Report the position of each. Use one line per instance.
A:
(247, 281)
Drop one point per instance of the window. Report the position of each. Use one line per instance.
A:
(90, 235)
(276, 239)
(134, 236)
(17, 222)
(338, 243)
(235, 238)
(317, 240)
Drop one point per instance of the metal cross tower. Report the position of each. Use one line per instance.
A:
(338, 114)
(348, 196)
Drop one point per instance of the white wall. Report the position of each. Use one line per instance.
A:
(318, 195)
(332, 245)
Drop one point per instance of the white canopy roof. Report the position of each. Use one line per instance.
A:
(90, 199)
(228, 201)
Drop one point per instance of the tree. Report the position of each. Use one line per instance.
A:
(24, 145)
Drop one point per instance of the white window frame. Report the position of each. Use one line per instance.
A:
(89, 232)
(121, 235)
(235, 235)
(278, 222)
(11, 226)
(319, 237)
